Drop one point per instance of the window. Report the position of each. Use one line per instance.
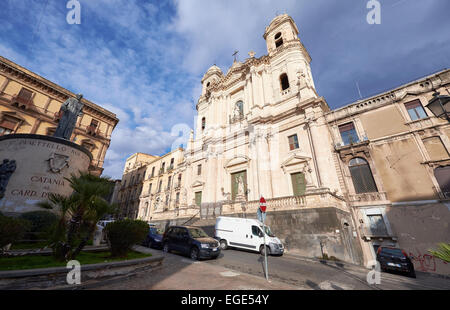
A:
(198, 198)
(132, 179)
(163, 166)
(93, 127)
(5, 131)
(203, 123)
(150, 188)
(177, 199)
(377, 225)
(146, 209)
(168, 183)
(160, 186)
(199, 169)
(348, 134)
(171, 163)
(7, 126)
(284, 81)
(293, 142)
(442, 175)
(209, 83)
(362, 176)
(256, 231)
(278, 40)
(179, 180)
(153, 172)
(415, 110)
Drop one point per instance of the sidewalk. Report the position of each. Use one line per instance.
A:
(181, 273)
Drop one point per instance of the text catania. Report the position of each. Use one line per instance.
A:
(47, 180)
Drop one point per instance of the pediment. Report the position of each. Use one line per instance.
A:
(237, 160)
(14, 116)
(197, 183)
(295, 159)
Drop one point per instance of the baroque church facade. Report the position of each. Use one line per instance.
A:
(263, 130)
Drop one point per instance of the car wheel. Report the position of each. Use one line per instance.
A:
(194, 253)
(261, 250)
(166, 248)
(223, 244)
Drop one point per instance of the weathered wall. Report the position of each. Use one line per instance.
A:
(419, 228)
(301, 232)
(399, 165)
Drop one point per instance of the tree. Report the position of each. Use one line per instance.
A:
(443, 252)
(79, 214)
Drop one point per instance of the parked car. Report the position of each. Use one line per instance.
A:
(190, 240)
(246, 234)
(391, 258)
(154, 238)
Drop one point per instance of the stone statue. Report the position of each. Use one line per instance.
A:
(7, 168)
(241, 190)
(183, 197)
(71, 109)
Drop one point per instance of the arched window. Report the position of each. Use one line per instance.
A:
(442, 175)
(284, 81)
(278, 40)
(203, 123)
(362, 176)
(209, 83)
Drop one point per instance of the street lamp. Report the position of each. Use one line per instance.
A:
(439, 106)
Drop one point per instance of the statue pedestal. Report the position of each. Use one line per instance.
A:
(42, 164)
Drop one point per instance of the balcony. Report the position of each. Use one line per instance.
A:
(92, 130)
(321, 198)
(368, 233)
(368, 198)
(285, 92)
(22, 102)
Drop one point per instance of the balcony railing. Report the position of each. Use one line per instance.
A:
(368, 197)
(373, 233)
(22, 102)
(92, 130)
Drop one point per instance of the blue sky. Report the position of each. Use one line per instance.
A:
(144, 59)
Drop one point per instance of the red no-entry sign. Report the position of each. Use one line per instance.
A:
(262, 204)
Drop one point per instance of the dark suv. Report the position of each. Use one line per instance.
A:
(190, 240)
(395, 259)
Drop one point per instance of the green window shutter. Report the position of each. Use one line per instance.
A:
(298, 183)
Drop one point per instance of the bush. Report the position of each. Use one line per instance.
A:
(123, 234)
(11, 230)
(41, 223)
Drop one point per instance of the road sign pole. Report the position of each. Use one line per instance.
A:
(262, 210)
(265, 248)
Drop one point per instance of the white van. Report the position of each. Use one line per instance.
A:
(246, 234)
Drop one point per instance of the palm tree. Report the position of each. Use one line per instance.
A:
(79, 213)
(443, 252)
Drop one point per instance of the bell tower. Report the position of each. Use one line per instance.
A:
(282, 29)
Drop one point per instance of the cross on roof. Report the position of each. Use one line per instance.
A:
(234, 54)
